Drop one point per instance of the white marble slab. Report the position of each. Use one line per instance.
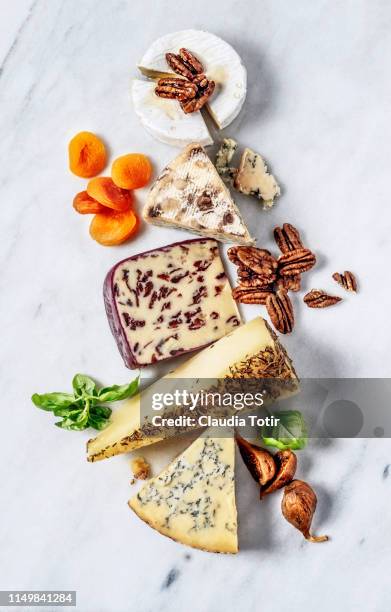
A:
(318, 109)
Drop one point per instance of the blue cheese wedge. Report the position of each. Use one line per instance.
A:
(223, 159)
(251, 351)
(193, 500)
(190, 194)
(253, 178)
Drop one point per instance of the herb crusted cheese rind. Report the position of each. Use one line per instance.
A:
(193, 500)
(253, 178)
(251, 351)
(190, 194)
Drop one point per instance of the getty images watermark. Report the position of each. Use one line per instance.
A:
(331, 407)
(196, 401)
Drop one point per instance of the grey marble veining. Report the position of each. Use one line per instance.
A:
(318, 109)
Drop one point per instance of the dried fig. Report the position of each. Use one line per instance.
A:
(259, 462)
(298, 506)
(286, 463)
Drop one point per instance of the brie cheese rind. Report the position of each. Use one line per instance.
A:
(169, 301)
(251, 351)
(192, 501)
(190, 194)
(253, 178)
(221, 62)
(164, 119)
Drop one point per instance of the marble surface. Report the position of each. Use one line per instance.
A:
(318, 109)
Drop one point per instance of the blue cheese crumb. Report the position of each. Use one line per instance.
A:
(224, 157)
(253, 178)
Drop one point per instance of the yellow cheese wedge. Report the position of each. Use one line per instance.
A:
(193, 500)
(250, 351)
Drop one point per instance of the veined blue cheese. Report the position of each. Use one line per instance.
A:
(253, 178)
(223, 159)
(193, 500)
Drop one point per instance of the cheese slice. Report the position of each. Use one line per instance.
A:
(193, 500)
(253, 178)
(221, 63)
(251, 351)
(169, 301)
(191, 195)
(164, 119)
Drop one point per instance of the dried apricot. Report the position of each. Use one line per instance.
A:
(85, 205)
(104, 191)
(131, 171)
(87, 155)
(112, 227)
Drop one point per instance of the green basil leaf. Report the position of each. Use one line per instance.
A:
(65, 423)
(116, 393)
(98, 423)
(71, 426)
(84, 385)
(77, 421)
(71, 412)
(290, 433)
(78, 427)
(80, 410)
(50, 401)
(101, 412)
(81, 421)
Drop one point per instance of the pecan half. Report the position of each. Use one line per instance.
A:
(248, 295)
(289, 283)
(280, 311)
(287, 238)
(259, 261)
(253, 283)
(232, 254)
(296, 262)
(191, 106)
(201, 81)
(176, 88)
(347, 280)
(178, 65)
(316, 298)
(191, 61)
(248, 278)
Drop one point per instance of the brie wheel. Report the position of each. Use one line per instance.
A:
(164, 119)
(221, 62)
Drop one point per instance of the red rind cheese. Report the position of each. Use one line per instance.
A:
(169, 301)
